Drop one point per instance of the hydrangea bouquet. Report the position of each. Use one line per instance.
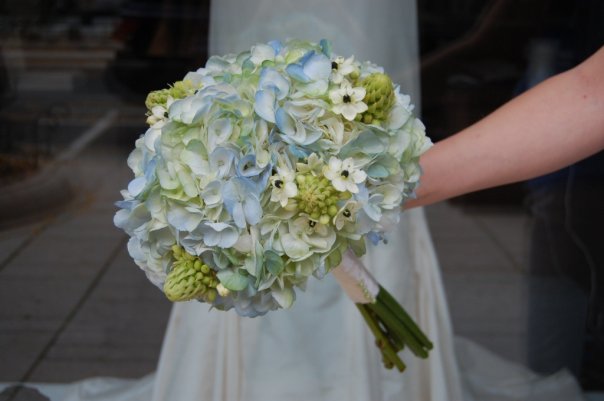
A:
(265, 168)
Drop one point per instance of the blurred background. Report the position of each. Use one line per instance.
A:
(523, 265)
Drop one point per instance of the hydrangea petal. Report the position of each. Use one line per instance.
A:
(294, 247)
(264, 105)
(318, 67)
(285, 297)
(271, 79)
(296, 71)
(252, 210)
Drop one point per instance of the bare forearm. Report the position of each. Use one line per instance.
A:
(552, 125)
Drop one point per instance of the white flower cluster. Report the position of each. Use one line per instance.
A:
(265, 168)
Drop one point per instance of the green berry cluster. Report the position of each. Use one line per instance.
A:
(379, 97)
(179, 90)
(317, 197)
(190, 278)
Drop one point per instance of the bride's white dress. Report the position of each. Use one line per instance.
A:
(321, 350)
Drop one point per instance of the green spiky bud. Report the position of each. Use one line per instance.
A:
(182, 89)
(317, 197)
(379, 97)
(179, 90)
(189, 278)
(183, 283)
(157, 98)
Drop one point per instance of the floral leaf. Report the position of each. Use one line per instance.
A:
(233, 280)
(273, 262)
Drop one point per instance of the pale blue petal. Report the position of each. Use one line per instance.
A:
(373, 212)
(285, 122)
(219, 234)
(304, 59)
(193, 158)
(238, 215)
(311, 137)
(316, 88)
(121, 218)
(134, 249)
(150, 170)
(228, 238)
(262, 52)
(276, 45)
(218, 226)
(126, 204)
(264, 104)
(253, 210)
(296, 71)
(137, 185)
(294, 247)
(318, 67)
(219, 131)
(211, 194)
(247, 166)
(131, 220)
(211, 238)
(271, 79)
(300, 153)
(182, 219)
(377, 171)
(374, 237)
(230, 196)
(216, 63)
(221, 160)
(262, 181)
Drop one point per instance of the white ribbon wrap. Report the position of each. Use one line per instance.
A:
(357, 282)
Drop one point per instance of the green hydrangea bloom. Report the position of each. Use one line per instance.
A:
(190, 278)
(179, 90)
(379, 97)
(317, 197)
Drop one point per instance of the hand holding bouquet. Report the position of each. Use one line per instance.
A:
(265, 168)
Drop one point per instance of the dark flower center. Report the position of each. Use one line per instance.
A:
(346, 99)
(345, 173)
(334, 65)
(346, 213)
(278, 183)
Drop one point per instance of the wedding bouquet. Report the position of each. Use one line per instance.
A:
(265, 168)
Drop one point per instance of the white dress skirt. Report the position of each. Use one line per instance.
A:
(321, 349)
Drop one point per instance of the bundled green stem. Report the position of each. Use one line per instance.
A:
(394, 329)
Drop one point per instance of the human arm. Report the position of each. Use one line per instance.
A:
(546, 128)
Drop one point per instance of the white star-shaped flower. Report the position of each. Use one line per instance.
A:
(346, 214)
(340, 68)
(284, 186)
(348, 101)
(159, 114)
(343, 174)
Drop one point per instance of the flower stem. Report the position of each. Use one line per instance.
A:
(388, 300)
(383, 343)
(396, 326)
